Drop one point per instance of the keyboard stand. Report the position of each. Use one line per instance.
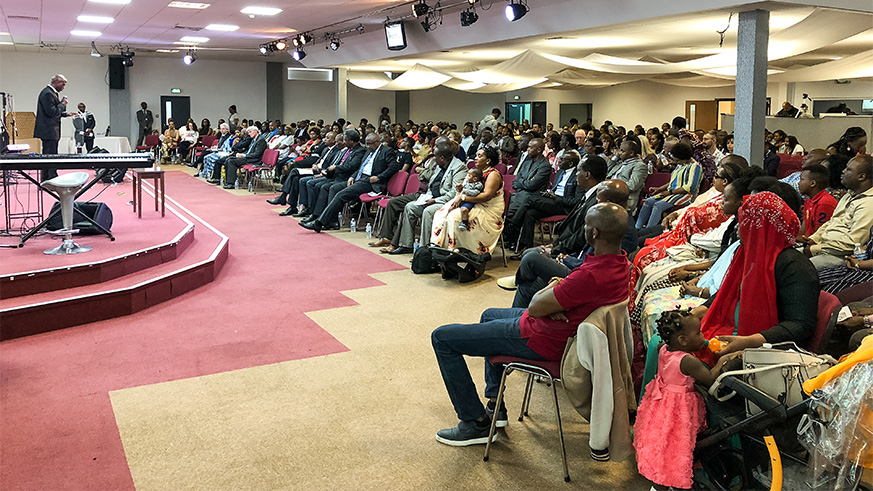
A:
(41, 225)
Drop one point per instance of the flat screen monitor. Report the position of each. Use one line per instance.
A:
(395, 35)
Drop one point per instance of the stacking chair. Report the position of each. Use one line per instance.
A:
(507, 193)
(206, 141)
(264, 170)
(828, 310)
(66, 186)
(152, 143)
(395, 186)
(413, 184)
(501, 168)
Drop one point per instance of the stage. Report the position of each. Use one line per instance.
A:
(151, 260)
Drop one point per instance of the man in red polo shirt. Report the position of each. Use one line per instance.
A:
(539, 332)
(820, 205)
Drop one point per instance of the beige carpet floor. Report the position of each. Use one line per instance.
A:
(361, 419)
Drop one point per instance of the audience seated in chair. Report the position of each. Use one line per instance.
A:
(629, 168)
(539, 332)
(531, 178)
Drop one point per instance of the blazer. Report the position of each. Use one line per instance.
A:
(49, 111)
(385, 165)
(634, 173)
(454, 174)
(533, 175)
(597, 378)
(572, 192)
(242, 145)
(348, 168)
(571, 232)
(256, 151)
(145, 119)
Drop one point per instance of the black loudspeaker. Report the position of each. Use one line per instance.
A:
(116, 72)
(98, 212)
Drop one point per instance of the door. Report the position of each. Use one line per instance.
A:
(177, 107)
(701, 115)
(517, 111)
(538, 113)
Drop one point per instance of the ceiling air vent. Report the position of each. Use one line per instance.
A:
(188, 28)
(21, 17)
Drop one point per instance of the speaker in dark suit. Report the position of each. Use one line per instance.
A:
(50, 108)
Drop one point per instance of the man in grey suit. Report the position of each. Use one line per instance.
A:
(50, 108)
(630, 169)
(146, 120)
(532, 178)
(421, 206)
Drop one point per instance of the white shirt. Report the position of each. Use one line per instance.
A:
(367, 168)
(466, 142)
(559, 191)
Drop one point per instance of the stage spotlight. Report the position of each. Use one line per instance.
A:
(298, 54)
(263, 49)
(280, 45)
(469, 17)
(515, 11)
(306, 38)
(94, 52)
(127, 56)
(189, 57)
(420, 9)
(296, 42)
(334, 44)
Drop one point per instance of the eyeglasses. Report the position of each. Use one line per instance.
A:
(720, 177)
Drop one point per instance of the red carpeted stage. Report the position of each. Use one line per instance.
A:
(152, 260)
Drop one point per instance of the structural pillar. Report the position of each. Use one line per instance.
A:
(342, 93)
(751, 85)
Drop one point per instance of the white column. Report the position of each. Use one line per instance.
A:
(342, 92)
(751, 85)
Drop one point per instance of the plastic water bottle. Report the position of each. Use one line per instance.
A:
(860, 252)
(416, 245)
(369, 231)
(651, 167)
(353, 226)
(236, 184)
(339, 219)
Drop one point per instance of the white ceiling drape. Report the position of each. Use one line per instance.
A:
(535, 68)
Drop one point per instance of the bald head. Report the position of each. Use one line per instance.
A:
(613, 191)
(815, 156)
(535, 148)
(735, 159)
(605, 226)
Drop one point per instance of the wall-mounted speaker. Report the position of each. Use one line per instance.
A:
(116, 72)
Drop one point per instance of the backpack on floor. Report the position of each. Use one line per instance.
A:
(463, 264)
(423, 263)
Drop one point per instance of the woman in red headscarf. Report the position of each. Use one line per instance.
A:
(770, 293)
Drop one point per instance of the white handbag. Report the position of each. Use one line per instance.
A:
(780, 373)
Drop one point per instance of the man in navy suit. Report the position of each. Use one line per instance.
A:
(337, 175)
(559, 199)
(373, 175)
(50, 108)
(252, 156)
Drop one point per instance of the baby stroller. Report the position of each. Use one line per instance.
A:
(751, 441)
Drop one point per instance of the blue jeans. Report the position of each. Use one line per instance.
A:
(650, 214)
(497, 333)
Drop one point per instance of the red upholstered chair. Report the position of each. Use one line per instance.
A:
(654, 180)
(394, 188)
(788, 164)
(262, 171)
(551, 371)
(152, 143)
(412, 186)
(828, 308)
(501, 168)
(551, 222)
(471, 164)
(206, 141)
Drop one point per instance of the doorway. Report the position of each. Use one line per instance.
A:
(701, 115)
(177, 107)
(517, 111)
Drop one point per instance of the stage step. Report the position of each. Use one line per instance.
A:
(205, 251)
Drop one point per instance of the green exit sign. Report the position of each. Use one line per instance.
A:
(175, 91)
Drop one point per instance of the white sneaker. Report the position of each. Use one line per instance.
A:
(507, 283)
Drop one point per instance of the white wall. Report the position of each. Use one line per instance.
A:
(24, 75)
(832, 90)
(312, 100)
(212, 86)
(445, 104)
(368, 104)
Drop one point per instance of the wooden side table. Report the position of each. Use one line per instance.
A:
(157, 175)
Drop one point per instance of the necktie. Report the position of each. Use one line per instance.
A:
(345, 157)
(365, 164)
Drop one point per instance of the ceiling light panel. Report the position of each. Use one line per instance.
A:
(194, 39)
(167, 50)
(189, 5)
(221, 27)
(95, 19)
(260, 11)
(85, 34)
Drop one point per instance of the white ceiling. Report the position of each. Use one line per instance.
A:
(147, 25)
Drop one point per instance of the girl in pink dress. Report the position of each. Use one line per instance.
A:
(672, 413)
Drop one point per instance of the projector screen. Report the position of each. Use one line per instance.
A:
(395, 35)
